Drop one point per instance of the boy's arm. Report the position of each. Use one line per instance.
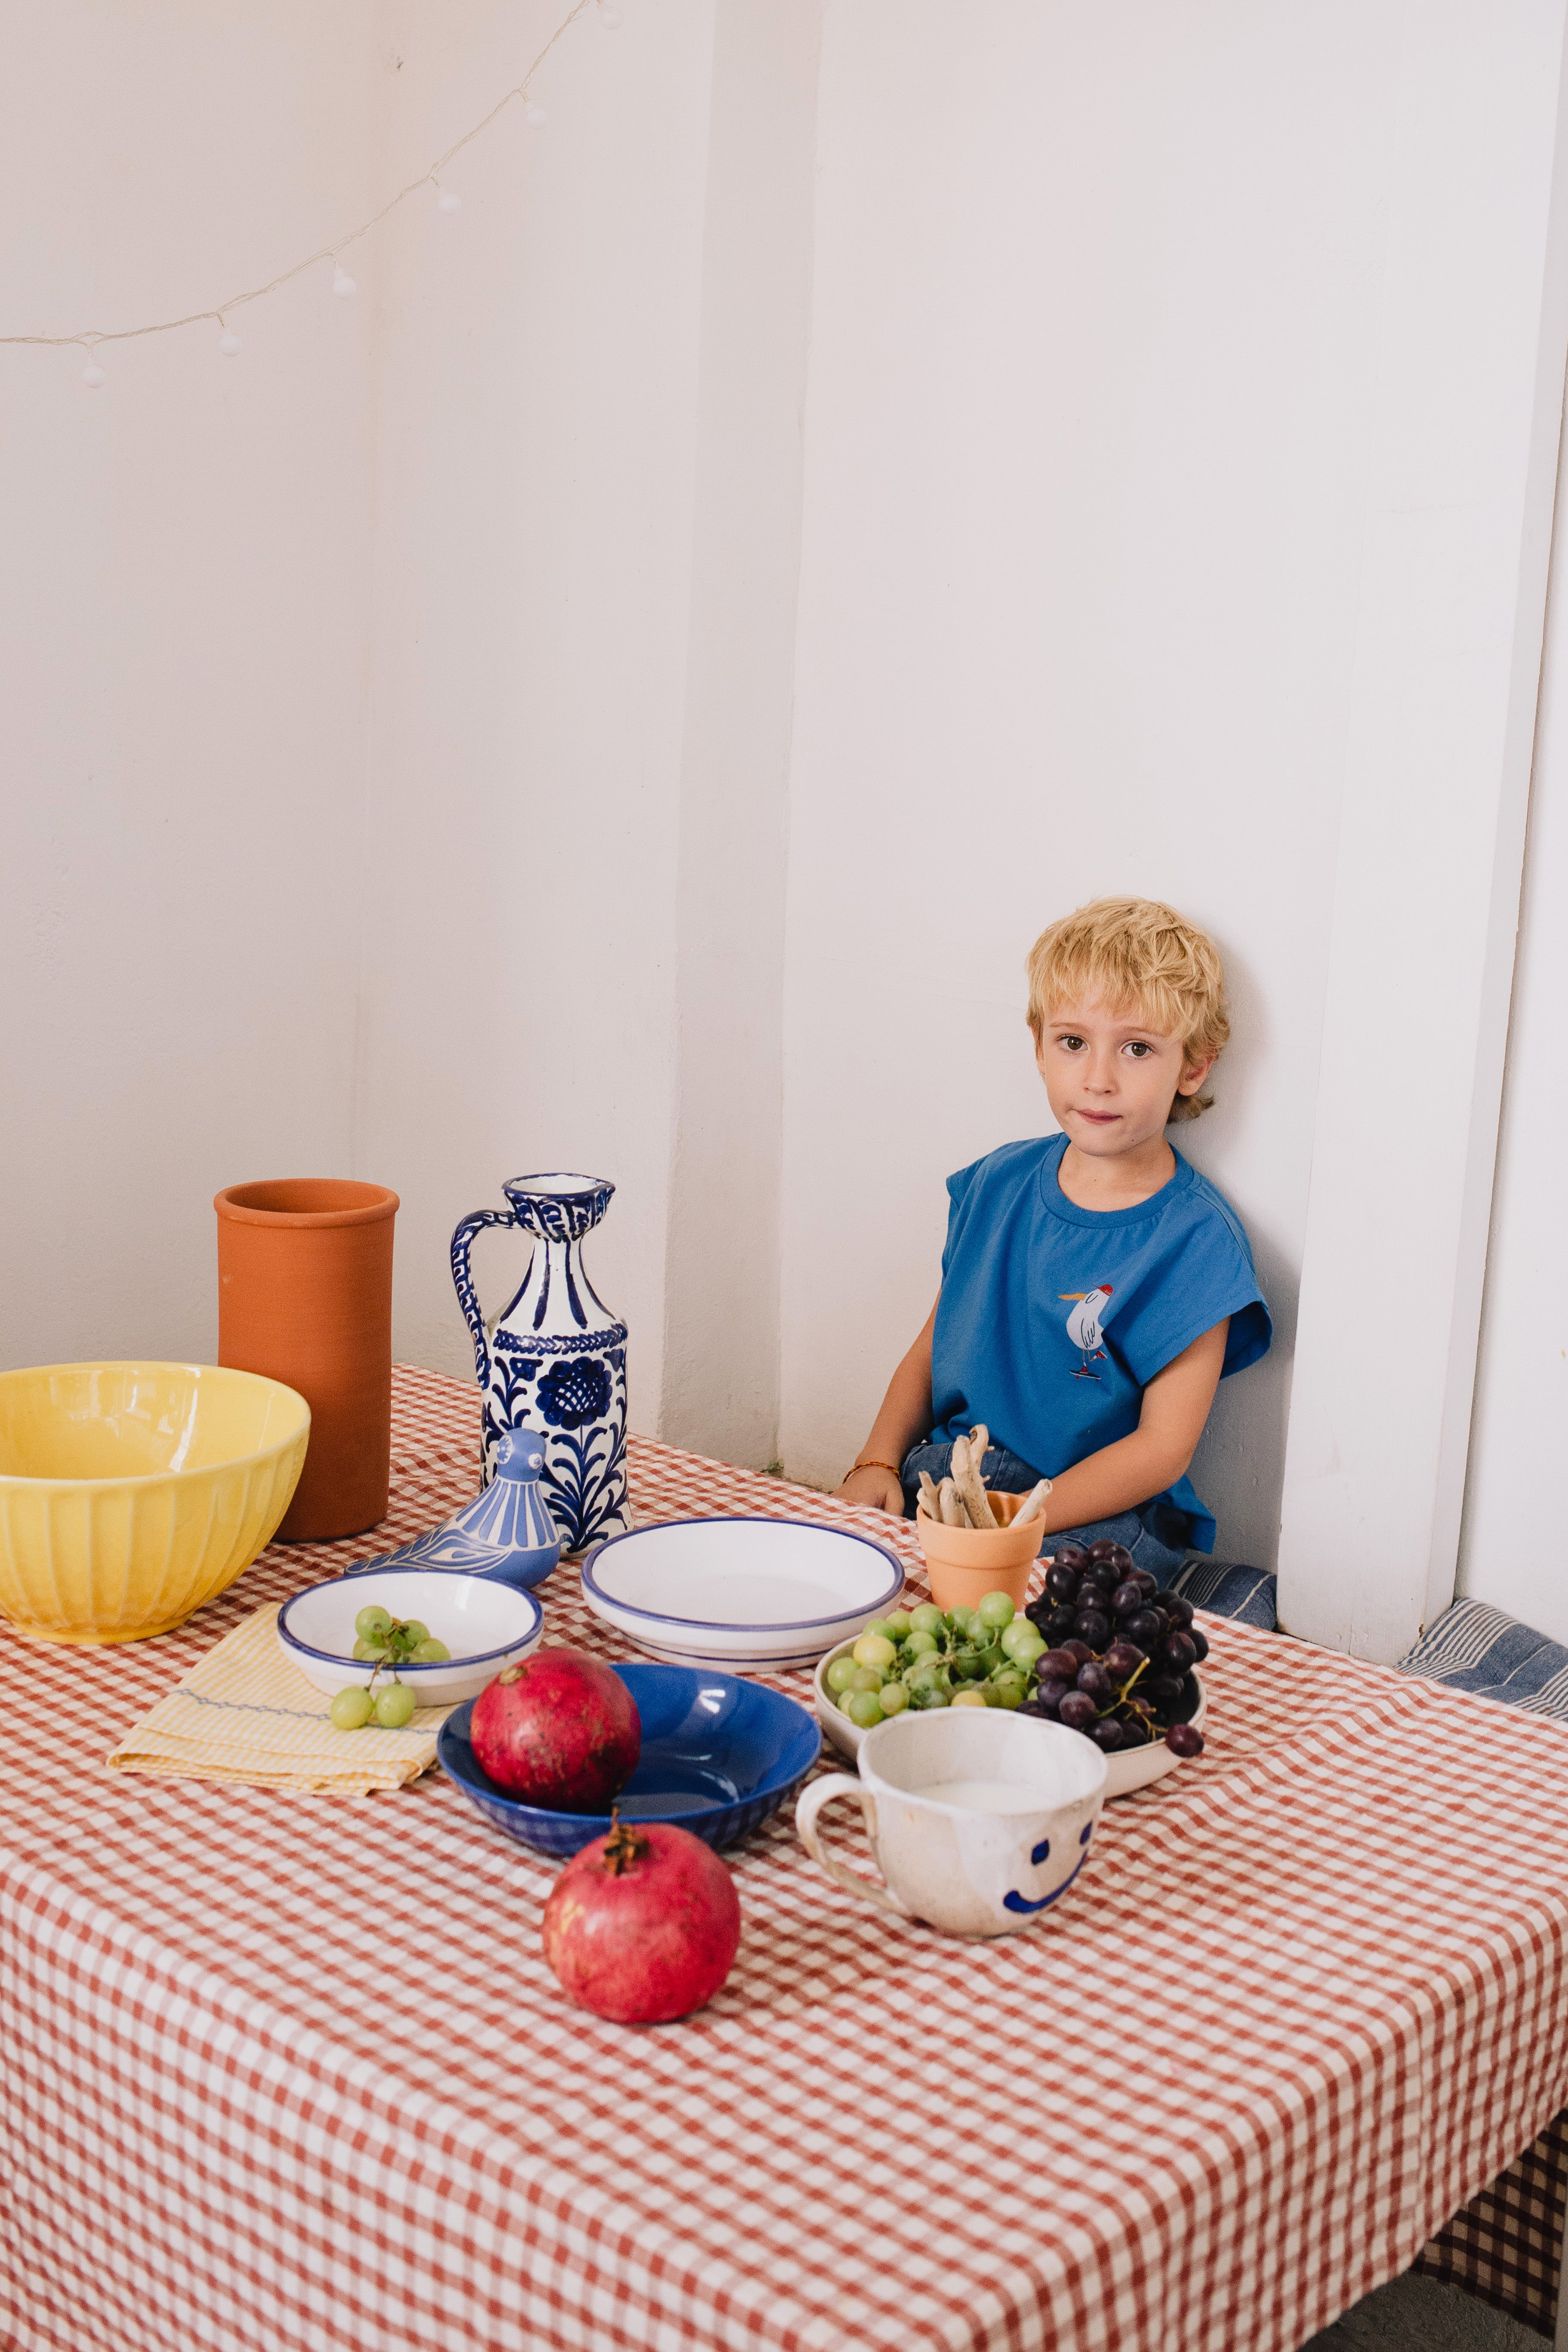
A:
(1175, 1406)
(905, 1416)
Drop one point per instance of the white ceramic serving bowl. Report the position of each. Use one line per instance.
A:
(1133, 1768)
(484, 1625)
(741, 1592)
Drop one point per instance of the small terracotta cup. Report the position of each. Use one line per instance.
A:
(305, 1297)
(966, 1563)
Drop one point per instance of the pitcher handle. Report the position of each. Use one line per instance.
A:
(822, 1792)
(467, 1296)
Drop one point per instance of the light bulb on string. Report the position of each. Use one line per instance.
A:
(93, 376)
(228, 344)
(610, 18)
(448, 201)
(533, 114)
(342, 282)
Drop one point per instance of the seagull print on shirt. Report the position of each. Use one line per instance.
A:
(1083, 1326)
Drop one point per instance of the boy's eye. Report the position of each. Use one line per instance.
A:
(1137, 1048)
(1073, 1044)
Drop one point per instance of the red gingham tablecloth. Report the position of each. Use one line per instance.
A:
(289, 2071)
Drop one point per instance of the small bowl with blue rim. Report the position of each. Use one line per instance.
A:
(484, 1625)
(720, 1756)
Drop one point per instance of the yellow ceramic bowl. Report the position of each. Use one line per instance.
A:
(131, 1494)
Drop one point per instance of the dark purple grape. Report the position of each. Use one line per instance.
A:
(1141, 1576)
(1033, 1706)
(1200, 1642)
(1070, 1555)
(1183, 1740)
(1077, 1711)
(1120, 1557)
(1183, 1709)
(1103, 1548)
(1127, 1599)
(1062, 1663)
(1107, 1734)
(1094, 1679)
(1102, 1575)
(1134, 1733)
(1122, 1658)
(1062, 1583)
(1163, 1690)
(1176, 1606)
(1079, 1650)
(1092, 1628)
(1178, 1650)
(1049, 1695)
(1060, 1623)
(1038, 1611)
(1146, 1627)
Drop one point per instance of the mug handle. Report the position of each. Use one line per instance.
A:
(812, 1799)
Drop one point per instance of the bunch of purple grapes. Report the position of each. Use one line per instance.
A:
(1120, 1668)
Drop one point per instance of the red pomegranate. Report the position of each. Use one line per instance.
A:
(643, 1925)
(558, 1729)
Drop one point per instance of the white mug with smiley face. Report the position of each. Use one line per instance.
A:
(979, 1819)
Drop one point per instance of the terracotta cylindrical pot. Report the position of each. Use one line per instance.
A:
(964, 1564)
(304, 1269)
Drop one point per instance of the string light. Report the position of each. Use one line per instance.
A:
(94, 376)
(611, 19)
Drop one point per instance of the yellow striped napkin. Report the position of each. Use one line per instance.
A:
(244, 1713)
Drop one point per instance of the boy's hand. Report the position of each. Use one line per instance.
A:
(874, 1487)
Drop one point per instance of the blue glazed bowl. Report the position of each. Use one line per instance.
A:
(717, 1756)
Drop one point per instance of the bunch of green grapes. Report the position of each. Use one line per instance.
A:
(923, 1657)
(392, 1642)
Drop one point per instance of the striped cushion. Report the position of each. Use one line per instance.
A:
(1474, 1648)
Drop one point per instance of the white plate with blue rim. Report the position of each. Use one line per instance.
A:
(744, 1592)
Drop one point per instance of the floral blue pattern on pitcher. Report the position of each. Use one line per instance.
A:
(554, 1361)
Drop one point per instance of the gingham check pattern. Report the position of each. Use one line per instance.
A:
(289, 2071)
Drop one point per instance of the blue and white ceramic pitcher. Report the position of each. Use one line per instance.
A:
(555, 1360)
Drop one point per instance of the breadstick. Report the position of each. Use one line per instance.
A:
(1033, 1502)
(928, 1495)
(966, 1478)
(954, 1514)
(979, 1446)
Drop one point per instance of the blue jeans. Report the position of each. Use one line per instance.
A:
(1157, 1535)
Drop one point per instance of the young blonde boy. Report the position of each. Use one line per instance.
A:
(1095, 1288)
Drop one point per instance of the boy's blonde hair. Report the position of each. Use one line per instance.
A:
(1135, 955)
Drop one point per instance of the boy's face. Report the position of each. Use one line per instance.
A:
(1111, 1078)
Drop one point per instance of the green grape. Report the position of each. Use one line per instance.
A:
(996, 1609)
(972, 1696)
(1023, 1642)
(413, 1631)
(878, 1625)
(364, 1651)
(971, 1666)
(892, 1699)
(1008, 1690)
(864, 1708)
(926, 1670)
(874, 1650)
(897, 1626)
(926, 1618)
(431, 1652)
(374, 1624)
(931, 1695)
(841, 1673)
(867, 1678)
(351, 1709)
(394, 1705)
(922, 1645)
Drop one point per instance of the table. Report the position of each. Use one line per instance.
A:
(289, 2071)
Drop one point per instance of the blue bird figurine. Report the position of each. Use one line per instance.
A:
(506, 1532)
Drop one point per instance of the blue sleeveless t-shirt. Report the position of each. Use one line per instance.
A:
(1053, 1319)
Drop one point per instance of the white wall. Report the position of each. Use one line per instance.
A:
(538, 376)
(182, 619)
(1512, 1553)
(1096, 297)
